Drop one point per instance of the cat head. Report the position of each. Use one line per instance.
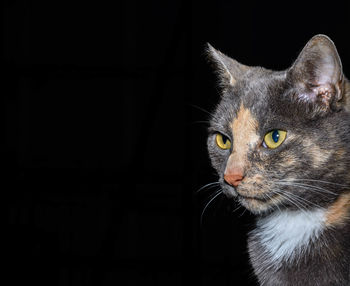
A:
(280, 139)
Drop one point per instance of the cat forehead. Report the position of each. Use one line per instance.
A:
(258, 83)
(266, 93)
(261, 91)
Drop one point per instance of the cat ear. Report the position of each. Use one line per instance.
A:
(317, 72)
(229, 70)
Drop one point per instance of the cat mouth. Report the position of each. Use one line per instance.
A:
(258, 204)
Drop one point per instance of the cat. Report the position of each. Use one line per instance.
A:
(280, 143)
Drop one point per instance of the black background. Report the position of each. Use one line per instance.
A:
(105, 141)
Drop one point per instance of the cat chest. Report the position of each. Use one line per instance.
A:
(285, 236)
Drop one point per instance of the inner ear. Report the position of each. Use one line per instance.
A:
(317, 72)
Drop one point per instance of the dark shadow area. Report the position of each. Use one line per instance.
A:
(106, 115)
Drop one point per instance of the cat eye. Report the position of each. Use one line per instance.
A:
(274, 138)
(222, 141)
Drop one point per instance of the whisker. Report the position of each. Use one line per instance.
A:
(323, 182)
(243, 212)
(269, 198)
(307, 186)
(200, 108)
(219, 192)
(301, 199)
(299, 205)
(317, 190)
(292, 198)
(207, 185)
(297, 201)
(237, 208)
(276, 203)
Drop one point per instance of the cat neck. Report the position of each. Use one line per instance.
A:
(287, 234)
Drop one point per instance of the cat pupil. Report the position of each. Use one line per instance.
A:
(275, 136)
(224, 139)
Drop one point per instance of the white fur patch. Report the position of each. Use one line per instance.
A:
(287, 234)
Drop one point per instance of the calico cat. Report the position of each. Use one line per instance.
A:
(280, 143)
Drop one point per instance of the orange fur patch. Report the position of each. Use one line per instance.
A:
(319, 156)
(244, 128)
(339, 211)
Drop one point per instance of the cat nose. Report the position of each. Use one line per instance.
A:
(234, 179)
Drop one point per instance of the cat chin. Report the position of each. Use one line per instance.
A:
(256, 206)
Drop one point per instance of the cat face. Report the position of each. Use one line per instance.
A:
(281, 139)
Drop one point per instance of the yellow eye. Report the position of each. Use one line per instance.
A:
(223, 142)
(274, 138)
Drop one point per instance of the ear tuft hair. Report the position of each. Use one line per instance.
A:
(229, 70)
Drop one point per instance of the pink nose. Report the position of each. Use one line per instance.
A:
(234, 179)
